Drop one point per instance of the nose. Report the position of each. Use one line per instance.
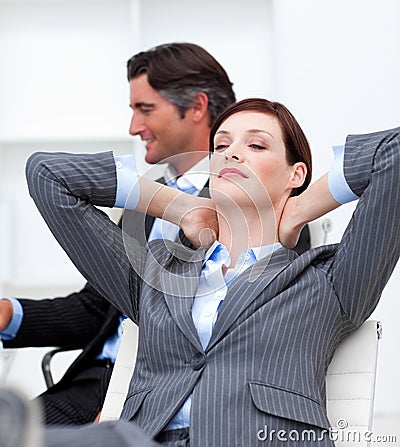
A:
(233, 152)
(136, 126)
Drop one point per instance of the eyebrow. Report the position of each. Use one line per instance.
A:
(139, 105)
(250, 131)
(222, 132)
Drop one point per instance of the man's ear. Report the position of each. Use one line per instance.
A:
(299, 172)
(200, 106)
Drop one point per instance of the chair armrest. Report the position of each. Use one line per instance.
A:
(46, 369)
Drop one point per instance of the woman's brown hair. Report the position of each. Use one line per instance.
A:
(296, 144)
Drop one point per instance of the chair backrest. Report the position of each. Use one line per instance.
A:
(350, 385)
(122, 373)
(350, 381)
(319, 231)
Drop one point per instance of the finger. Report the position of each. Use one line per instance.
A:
(206, 237)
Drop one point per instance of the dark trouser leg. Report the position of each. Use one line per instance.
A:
(80, 401)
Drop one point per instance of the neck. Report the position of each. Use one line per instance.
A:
(244, 228)
(183, 162)
(197, 150)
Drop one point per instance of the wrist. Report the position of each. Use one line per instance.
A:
(180, 210)
(315, 201)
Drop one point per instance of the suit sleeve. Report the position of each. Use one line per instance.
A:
(67, 190)
(370, 247)
(67, 322)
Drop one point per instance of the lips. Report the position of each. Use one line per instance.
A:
(148, 141)
(231, 172)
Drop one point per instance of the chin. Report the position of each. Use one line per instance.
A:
(230, 193)
(152, 158)
(235, 195)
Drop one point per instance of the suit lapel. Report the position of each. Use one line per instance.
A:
(248, 286)
(148, 224)
(185, 280)
(180, 277)
(179, 280)
(205, 192)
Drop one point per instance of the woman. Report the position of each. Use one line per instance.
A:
(235, 340)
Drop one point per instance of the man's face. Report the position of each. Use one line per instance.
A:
(158, 122)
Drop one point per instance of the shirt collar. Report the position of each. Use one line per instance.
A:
(219, 254)
(197, 175)
(265, 250)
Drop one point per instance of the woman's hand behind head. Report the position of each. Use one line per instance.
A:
(200, 223)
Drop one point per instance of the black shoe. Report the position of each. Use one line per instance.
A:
(19, 420)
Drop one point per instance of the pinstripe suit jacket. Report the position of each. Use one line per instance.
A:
(83, 320)
(281, 320)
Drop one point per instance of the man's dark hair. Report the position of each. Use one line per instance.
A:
(179, 71)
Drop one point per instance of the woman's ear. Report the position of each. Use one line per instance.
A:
(200, 106)
(299, 172)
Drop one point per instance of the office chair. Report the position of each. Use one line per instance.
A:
(350, 385)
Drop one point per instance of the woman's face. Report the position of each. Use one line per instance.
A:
(249, 161)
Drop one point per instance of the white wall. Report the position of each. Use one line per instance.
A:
(337, 66)
(62, 73)
(62, 86)
(236, 33)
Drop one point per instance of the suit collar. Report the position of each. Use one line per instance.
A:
(197, 175)
(248, 286)
(179, 285)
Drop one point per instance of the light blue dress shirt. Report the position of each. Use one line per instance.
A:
(12, 329)
(210, 294)
(338, 186)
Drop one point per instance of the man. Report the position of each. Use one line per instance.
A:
(176, 91)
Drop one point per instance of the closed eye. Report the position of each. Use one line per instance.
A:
(257, 147)
(143, 108)
(146, 111)
(220, 147)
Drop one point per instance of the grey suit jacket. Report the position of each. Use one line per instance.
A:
(276, 332)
